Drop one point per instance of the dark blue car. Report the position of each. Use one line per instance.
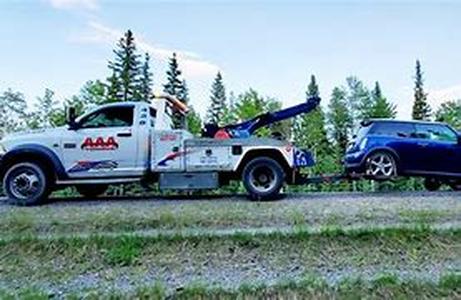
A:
(383, 149)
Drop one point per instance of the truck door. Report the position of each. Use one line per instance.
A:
(103, 144)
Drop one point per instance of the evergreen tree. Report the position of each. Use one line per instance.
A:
(358, 100)
(340, 120)
(421, 109)
(450, 112)
(218, 101)
(175, 87)
(113, 88)
(381, 108)
(126, 69)
(309, 130)
(146, 80)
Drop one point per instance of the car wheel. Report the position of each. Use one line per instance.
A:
(432, 184)
(26, 183)
(263, 178)
(91, 191)
(381, 166)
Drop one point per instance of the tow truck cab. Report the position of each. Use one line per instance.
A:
(132, 141)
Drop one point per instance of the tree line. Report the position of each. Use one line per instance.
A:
(326, 131)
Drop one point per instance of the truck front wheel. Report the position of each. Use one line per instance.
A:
(263, 178)
(90, 190)
(26, 183)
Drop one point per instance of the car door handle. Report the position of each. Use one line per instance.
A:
(124, 134)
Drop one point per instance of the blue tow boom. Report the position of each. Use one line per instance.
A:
(247, 128)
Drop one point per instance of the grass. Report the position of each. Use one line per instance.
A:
(58, 259)
(126, 217)
(385, 286)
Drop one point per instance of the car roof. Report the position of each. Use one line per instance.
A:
(402, 121)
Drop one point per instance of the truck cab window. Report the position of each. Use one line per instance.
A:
(153, 116)
(121, 116)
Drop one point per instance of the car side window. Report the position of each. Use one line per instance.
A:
(121, 116)
(393, 129)
(436, 133)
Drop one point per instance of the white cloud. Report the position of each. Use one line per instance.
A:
(191, 63)
(71, 4)
(437, 97)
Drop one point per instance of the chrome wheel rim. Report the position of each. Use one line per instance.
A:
(262, 179)
(381, 165)
(25, 184)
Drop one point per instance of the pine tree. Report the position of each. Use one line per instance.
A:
(309, 130)
(421, 109)
(218, 101)
(175, 87)
(146, 80)
(358, 100)
(174, 82)
(113, 88)
(381, 108)
(340, 120)
(126, 69)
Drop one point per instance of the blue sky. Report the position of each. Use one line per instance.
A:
(272, 46)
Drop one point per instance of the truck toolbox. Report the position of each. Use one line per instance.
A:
(189, 181)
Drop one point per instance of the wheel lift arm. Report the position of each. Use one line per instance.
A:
(247, 128)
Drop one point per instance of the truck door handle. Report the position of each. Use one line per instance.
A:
(124, 134)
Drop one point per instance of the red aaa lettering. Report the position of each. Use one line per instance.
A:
(99, 144)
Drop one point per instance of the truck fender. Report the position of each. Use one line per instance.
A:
(34, 151)
(273, 153)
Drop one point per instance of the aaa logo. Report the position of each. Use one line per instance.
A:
(100, 144)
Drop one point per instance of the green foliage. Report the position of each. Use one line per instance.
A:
(421, 109)
(381, 107)
(13, 114)
(450, 112)
(126, 69)
(250, 104)
(218, 101)
(194, 122)
(340, 120)
(145, 88)
(176, 87)
(358, 100)
(46, 112)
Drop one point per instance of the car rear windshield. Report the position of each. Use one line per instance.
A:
(393, 129)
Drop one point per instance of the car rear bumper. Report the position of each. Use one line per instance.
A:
(353, 163)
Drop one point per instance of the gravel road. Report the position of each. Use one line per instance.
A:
(267, 263)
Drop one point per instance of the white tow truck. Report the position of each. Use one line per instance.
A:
(133, 141)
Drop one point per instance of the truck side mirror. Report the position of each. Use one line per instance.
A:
(70, 117)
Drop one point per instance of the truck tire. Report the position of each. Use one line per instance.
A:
(91, 190)
(26, 184)
(263, 178)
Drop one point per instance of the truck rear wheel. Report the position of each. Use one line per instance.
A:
(26, 183)
(263, 178)
(91, 190)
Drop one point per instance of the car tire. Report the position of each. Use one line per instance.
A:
(432, 184)
(263, 178)
(91, 190)
(381, 166)
(27, 184)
